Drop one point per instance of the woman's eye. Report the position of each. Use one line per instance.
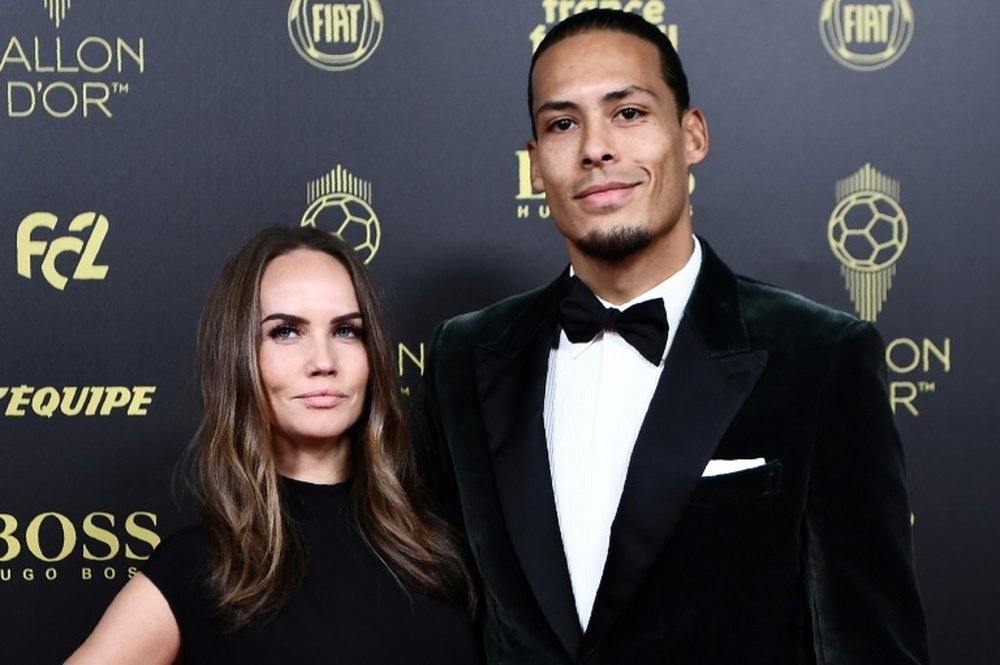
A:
(348, 330)
(283, 332)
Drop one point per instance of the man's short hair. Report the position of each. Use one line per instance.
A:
(614, 20)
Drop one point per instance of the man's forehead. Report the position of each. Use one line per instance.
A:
(605, 59)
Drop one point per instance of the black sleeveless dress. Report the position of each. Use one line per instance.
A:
(349, 609)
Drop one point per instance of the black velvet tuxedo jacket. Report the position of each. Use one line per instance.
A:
(806, 559)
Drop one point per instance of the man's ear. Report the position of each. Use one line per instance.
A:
(695, 131)
(536, 178)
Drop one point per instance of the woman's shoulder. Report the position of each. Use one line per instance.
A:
(185, 541)
(179, 563)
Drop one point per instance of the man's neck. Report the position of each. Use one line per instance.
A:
(618, 282)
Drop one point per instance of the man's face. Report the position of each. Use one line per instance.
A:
(611, 154)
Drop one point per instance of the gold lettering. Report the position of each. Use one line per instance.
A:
(34, 545)
(116, 396)
(67, 407)
(96, 393)
(39, 67)
(26, 247)
(524, 188)
(317, 22)
(345, 23)
(59, 64)
(45, 401)
(141, 398)
(137, 56)
(942, 354)
(865, 24)
(653, 12)
(18, 400)
(57, 247)
(14, 85)
(7, 536)
(141, 533)
(850, 22)
(883, 20)
(96, 94)
(101, 535)
(19, 56)
(73, 102)
(405, 352)
(914, 355)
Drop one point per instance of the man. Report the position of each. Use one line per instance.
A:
(711, 476)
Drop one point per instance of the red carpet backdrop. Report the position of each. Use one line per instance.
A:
(854, 147)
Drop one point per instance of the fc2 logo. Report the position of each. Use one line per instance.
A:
(85, 246)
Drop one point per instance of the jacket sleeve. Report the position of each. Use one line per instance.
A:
(860, 578)
(432, 453)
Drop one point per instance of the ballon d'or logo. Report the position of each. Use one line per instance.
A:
(867, 233)
(335, 35)
(341, 204)
(866, 36)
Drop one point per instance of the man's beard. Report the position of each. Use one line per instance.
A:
(615, 244)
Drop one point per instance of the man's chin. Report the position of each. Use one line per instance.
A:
(614, 245)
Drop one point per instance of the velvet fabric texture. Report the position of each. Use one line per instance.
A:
(804, 560)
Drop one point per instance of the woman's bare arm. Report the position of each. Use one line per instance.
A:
(138, 627)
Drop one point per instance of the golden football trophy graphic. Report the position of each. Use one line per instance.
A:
(340, 203)
(868, 233)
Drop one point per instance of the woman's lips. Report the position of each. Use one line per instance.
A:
(322, 399)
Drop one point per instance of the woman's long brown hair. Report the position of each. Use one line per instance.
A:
(257, 554)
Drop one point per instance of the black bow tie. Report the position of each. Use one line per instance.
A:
(643, 325)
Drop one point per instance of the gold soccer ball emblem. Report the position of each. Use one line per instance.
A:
(349, 217)
(867, 231)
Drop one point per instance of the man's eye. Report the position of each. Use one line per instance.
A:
(630, 113)
(561, 125)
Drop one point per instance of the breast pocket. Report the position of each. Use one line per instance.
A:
(740, 486)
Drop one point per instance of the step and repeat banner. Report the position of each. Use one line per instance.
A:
(854, 151)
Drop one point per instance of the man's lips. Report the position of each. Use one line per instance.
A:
(603, 187)
(321, 399)
(605, 194)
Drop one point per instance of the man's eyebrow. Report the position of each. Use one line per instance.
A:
(556, 105)
(612, 96)
(626, 92)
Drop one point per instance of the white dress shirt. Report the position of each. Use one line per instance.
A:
(596, 397)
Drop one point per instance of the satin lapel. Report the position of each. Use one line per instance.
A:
(511, 382)
(702, 387)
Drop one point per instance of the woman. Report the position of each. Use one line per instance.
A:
(312, 546)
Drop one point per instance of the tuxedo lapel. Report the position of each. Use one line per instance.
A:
(708, 374)
(510, 377)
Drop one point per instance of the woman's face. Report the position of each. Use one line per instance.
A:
(312, 358)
